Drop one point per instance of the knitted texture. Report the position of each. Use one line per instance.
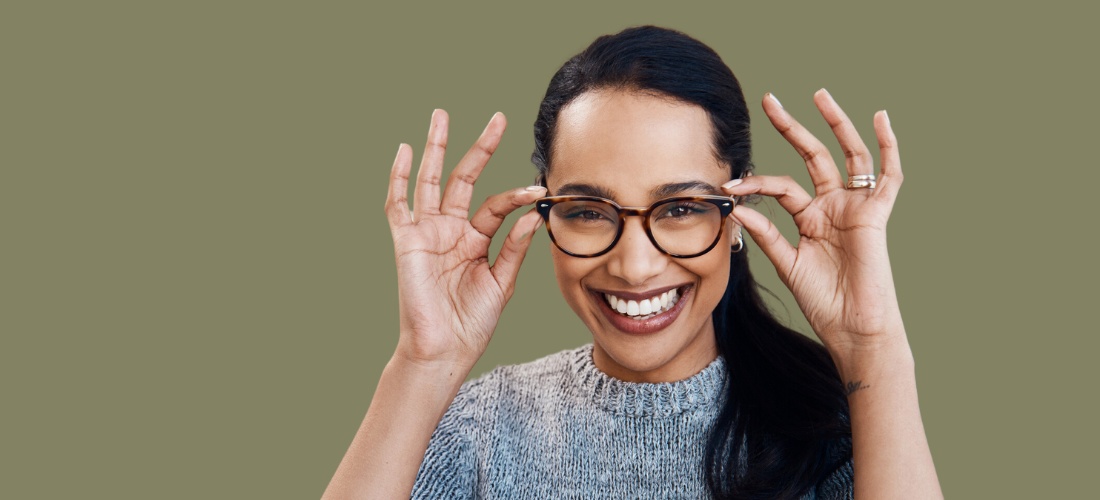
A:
(558, 427)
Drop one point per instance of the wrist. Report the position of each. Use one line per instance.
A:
(887, 356)
(444, 371)
(433, 355)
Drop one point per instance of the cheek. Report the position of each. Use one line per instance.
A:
(570, 272)
(713, 271)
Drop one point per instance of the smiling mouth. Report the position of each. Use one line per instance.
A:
(644, 308)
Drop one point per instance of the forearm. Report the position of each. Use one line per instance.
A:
(389, 446)
(890, 450)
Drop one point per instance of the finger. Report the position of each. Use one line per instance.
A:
(820, 164)
(426, 196)
(768, 238)
(490, 215)
(890, 180)
(857, 158)
(460, 185)
(506, 267)
(397, 200)
(784, 189)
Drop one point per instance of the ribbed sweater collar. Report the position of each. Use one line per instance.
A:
(639, 399)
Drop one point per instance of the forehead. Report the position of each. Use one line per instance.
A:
(629, 143)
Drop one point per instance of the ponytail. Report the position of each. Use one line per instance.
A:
(783, 425)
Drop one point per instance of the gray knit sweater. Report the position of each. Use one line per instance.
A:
(558, 427)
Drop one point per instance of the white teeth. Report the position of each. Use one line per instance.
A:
(644, 308)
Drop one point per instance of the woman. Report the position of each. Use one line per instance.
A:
(690, 387)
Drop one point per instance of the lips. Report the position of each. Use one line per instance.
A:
(645, 313)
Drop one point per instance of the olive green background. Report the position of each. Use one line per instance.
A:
(197, 289)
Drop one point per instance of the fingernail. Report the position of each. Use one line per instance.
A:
(732, 183)
(534, 188)
(538, 224)
(774, 98)
(827, 94)
(886, 116)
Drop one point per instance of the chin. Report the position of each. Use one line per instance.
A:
(658, 347)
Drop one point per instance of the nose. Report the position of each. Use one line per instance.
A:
(634, 259)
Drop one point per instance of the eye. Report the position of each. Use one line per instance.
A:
(682, 209)
(585, 214)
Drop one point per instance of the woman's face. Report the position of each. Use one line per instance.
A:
(636, 149)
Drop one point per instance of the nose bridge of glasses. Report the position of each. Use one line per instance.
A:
(638, 211)
(643, 232)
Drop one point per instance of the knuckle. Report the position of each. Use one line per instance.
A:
(437, 142)
(785, 184)
(464, 177)
(809, 154)
(855, 153)
(784, 128)
(497, 214)
(490, 200)
(839, 123)
(773, 235)
(486, 148)
(427, 177)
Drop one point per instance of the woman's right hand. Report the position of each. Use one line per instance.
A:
(450, 297)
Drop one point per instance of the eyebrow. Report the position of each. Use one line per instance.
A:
(578, 189)
(676, 188)
(657, 193)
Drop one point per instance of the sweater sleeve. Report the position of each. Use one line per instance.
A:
(838, 485)
(449, 469)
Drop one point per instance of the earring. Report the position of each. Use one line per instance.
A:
(740, 245)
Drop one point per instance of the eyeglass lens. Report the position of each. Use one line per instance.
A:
(681, 227)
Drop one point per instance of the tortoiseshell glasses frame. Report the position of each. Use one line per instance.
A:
(593, 209)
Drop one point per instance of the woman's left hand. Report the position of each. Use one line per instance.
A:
(839, 272)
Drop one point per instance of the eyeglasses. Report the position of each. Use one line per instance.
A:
(588, 226)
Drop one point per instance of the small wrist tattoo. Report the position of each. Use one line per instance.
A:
(854, 386)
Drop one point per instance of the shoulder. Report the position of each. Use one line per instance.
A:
(501, 403)
(531, 376)
(510, 387)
